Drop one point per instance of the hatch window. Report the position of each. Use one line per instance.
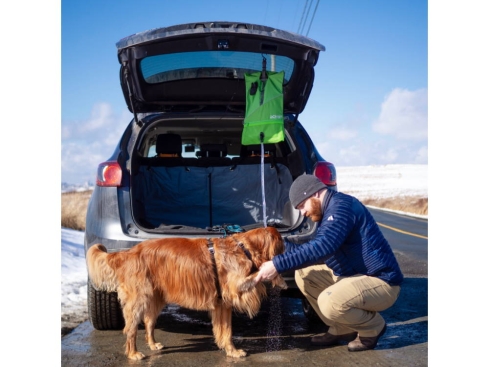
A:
(210, 64)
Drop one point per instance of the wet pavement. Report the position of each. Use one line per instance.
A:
(278, 336)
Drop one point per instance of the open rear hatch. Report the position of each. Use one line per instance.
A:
(197, 70)
(198, 65)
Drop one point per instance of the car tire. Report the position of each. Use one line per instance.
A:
(309, 312)
(104, 309)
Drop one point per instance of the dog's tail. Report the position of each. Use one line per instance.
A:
(102, 276)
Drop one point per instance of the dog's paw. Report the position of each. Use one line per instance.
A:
(136, 356)
(156, 346)
(236, 353)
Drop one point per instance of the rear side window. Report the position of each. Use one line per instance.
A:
(210, 64)
(185, 154)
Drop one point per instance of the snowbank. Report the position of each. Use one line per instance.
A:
(387, 181)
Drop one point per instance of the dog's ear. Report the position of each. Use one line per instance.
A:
(256, 242)
(274, 243)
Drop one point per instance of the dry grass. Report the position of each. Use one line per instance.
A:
(411, 204)
(74, 207)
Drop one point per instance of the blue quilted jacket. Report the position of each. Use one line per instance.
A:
(348, 241)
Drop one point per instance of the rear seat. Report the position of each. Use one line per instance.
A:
(251, 154)
(169, 153)
(169, 146)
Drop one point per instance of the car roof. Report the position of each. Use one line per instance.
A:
(202, 65)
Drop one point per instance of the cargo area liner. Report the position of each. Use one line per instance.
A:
(215, 195)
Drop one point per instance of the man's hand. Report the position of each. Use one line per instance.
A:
(267, 272)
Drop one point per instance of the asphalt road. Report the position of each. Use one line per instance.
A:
(408, 237)
(280, 334)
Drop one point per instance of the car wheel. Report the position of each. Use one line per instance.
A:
(104, 309)
(309, 312)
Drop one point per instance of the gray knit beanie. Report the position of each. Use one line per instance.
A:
(303, 188)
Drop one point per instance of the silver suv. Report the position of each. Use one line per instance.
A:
(180, 168)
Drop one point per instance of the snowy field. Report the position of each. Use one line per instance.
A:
(363, 182)
(378, 182)
(73, 276)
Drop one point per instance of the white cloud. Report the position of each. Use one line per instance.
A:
(103, 125)
(350, 155)
(342, 133)
(404, 115)
(398, 136)
(87, 143)
(343, 154)
(389, 156)
(101, 116)
(421, 155)
(368, 150)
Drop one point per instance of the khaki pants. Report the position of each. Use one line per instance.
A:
(347, 304)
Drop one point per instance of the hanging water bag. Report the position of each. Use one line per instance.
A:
(264, 108)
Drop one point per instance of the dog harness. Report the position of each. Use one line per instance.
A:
(210, 246)
(248, 255)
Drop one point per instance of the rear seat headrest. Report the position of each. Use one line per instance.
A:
(169, 144)
(255, 150)
(213, 150)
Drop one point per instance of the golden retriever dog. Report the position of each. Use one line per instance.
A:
(184, 271)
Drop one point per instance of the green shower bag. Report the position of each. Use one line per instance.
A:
(264, 117)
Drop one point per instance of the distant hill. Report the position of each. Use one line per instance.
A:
(65, 187)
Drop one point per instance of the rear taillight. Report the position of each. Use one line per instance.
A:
(326, 172)
(109, 174)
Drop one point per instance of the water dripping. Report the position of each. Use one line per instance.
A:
(274, 330)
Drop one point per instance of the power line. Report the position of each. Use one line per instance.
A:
(305, 15)
(302, 18)
(312, 19)
(305, 11)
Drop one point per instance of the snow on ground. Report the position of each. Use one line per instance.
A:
(363, 182)
(388, 181)
(73, 273)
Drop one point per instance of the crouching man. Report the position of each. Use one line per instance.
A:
(348, 272)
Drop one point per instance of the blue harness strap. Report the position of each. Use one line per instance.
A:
(248, 255)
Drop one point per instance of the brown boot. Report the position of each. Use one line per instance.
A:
(364, 343)
(328, 339)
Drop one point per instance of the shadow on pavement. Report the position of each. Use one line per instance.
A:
(279, 335)
(282, 318)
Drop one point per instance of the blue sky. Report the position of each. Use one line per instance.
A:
(369, 104)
